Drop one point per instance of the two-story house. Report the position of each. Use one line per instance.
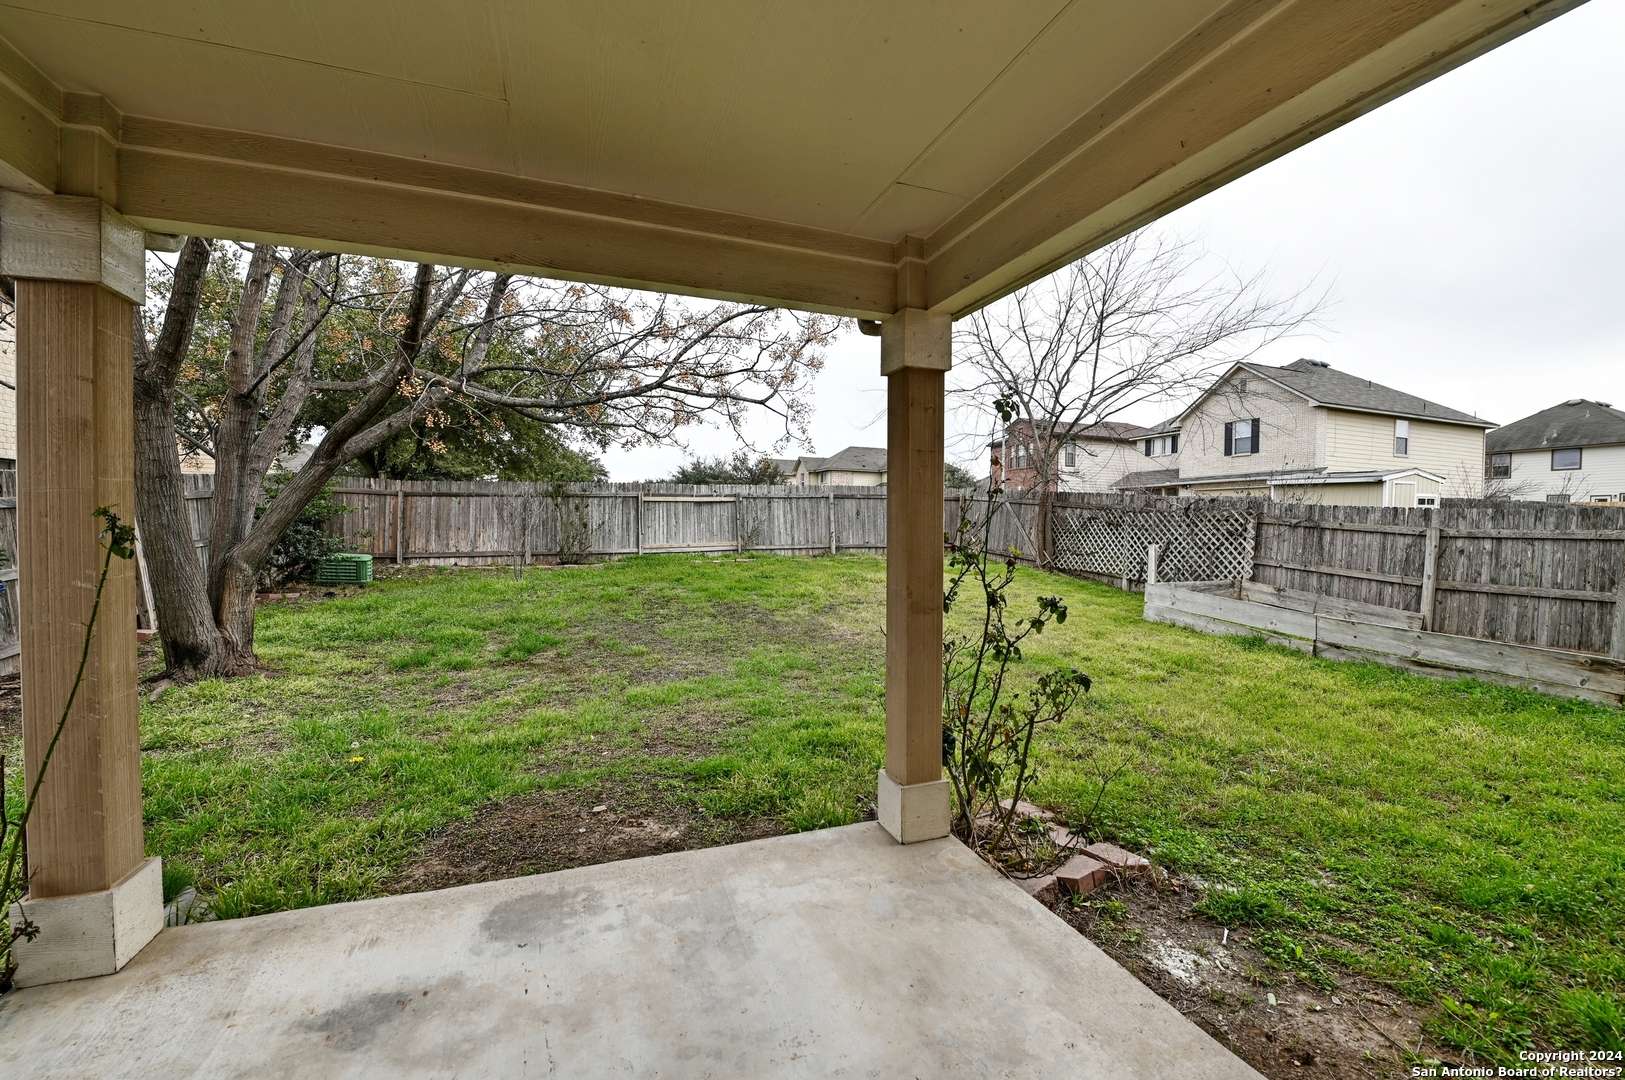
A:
(1573, 452)
(1088, 457)
(1307, 432)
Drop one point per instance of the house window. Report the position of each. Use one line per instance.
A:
(1427, 500)
(1565, 460)
(1500, 466)
(1402, 438)
(1070, 456)
(1241, 437)
(1561, 499)
(1162, 445)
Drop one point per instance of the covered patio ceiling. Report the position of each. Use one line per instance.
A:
(800, 154)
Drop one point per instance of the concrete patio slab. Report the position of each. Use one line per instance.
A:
(834, 953)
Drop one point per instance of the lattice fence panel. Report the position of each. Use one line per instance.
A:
(1197, 544)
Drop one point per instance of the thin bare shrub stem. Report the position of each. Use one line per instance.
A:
(14, 848)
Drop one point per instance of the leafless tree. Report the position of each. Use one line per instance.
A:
(1139, 321)
(354, 351)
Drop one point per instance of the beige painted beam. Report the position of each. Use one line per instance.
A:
(181, 179)
(75, 453)
(1261, 78)
(913, 797)
(30, 114)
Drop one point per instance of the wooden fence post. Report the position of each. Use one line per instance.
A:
(526, 510)
(637, 521)
(1618, 648)
(832, 521)
(1153, 555)
(739, 525)
(1430, 575)
(400, 522)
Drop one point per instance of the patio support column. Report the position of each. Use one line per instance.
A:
(912, 800)
(93, 896)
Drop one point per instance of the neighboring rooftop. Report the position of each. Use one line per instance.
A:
(1108, 430)
(870, 459)
(1576, 422)
(1325, 385)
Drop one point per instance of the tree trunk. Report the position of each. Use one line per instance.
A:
(192, 644)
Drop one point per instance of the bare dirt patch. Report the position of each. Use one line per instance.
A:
(1277, 1024)
(543, 831)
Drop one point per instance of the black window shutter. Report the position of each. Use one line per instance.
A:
(1258, 429)
(1229, 437)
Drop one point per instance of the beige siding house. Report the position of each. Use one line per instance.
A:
(856, 466)
(1573, 452)
(1308, 432)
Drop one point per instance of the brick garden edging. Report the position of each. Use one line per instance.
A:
(1092, 865)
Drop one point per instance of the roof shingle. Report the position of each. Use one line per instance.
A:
(1325, 385)
(1573, 423)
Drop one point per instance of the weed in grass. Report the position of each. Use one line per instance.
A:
(1240, 907)
(1596, 1020)
(527, 643)
(412, 659)
(178, 877)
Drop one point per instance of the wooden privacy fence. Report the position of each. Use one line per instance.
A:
(439, 522)
(1519, 573)
(1513, 572)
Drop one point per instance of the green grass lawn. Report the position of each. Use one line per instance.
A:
(1462, 843)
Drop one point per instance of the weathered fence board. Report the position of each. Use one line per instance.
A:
(1218, 614)
(1521, 573)
(1553, 671)
(475, 522)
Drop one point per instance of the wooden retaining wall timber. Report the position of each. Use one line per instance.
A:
(1346, 634)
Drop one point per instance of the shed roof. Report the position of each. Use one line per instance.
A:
(1149, 478)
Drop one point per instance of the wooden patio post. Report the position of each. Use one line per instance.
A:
(912, 800)
(92, 893)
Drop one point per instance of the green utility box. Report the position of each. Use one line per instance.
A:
(344, 568)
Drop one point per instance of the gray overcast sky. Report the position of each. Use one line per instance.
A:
(1472, 235)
